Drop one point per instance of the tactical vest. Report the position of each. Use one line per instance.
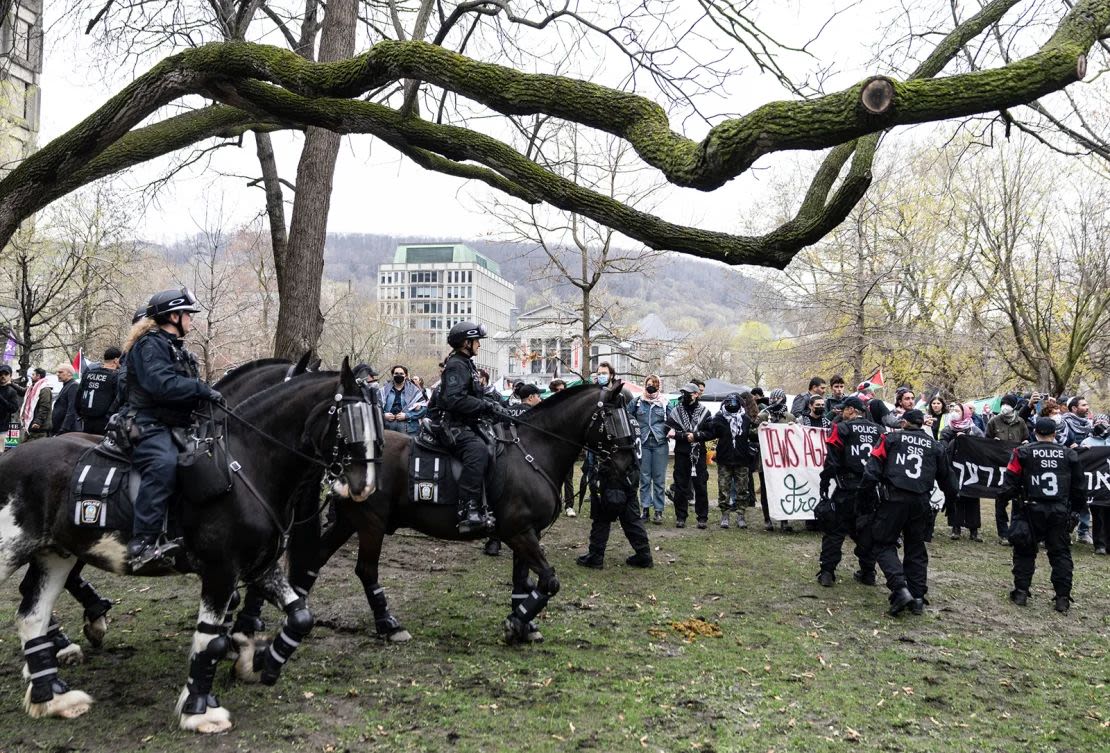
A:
(171, 414)
(97, 393)
(1046, 471)
(858, 436)
(911, 461)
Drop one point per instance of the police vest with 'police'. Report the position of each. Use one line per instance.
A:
(1047, 473)
(911, 461)
(859, 437)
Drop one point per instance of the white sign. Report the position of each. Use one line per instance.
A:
(792, 458)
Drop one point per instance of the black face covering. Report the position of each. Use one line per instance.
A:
(651, 389)
(818, 411)
(732, 407)
(688, 399)
(399, 378)
(1099, 430)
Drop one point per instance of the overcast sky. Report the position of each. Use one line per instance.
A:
(378, 191)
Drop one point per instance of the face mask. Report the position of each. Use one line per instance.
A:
(1099, 430)
(818, 411)
(687, 399)
(399, 378)
(955, 415)
(1006, 410)
(651, 389)
(732, 407)
(603, 379)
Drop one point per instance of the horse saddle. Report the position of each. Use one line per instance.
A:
(434, 473)
(104, 485)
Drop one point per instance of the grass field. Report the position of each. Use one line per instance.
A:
(769, 661)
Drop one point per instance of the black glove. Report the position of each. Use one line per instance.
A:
(214, 396)
(824, 489)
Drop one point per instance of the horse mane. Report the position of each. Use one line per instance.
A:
(258, 363)
(258, 402)
(556, 401)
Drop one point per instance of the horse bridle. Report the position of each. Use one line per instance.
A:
(614, 426)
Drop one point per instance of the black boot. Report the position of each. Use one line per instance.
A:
(1019, 597)
(918, 607)
(640, 559)
(899, 600)
(867, 579)
(150, 553)
(470, 517)
(493, 547)
(591, 561)
(826, 578)
(1063, 604)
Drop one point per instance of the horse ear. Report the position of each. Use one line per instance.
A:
(313, 365)
(347, 377)
(302, 365)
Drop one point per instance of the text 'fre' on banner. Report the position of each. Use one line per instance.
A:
(979, 465)
(792, 458)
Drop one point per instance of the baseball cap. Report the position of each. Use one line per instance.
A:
(527, 390)
(914, 416)
(690, 387)
(852, 402)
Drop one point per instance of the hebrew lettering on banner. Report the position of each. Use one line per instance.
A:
(792, 458)
(1096, 474)
(979, 465)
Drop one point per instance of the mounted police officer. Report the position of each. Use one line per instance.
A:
(848, 448)
(905, 464)
(465, 404)
(1049, 479)
(163, 390)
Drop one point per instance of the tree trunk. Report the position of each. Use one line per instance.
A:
(299, 319)
(586, 345)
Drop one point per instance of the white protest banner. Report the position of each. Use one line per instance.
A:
(792, 458)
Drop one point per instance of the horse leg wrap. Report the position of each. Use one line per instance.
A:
(384, 622)
(95, 605)
(54, 633)
(303, 582)
(249, 621)
(298, 624)
(202, 671)
(527, 606)
(42, 663)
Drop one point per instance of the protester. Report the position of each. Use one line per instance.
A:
(835, 399)
(729, 428)
(904, 400)
(1006, 426)
(1077, 427)
(814, 414)
(1100, 514)
(35, 414)
(403, 403)
(963, 512)
(936, 416)
(751, 435)
(689, 420)
(63, 417)
(419, 382)
(816, 389)
(650, 412)
(11, 398)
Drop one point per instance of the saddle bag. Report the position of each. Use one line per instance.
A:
(433, 481)
(99, 490)
(204, 467)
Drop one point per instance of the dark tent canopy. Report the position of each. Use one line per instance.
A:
(717, 389)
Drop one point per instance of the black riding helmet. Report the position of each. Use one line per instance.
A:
(139, 315)
(166, 302)
(464, 331)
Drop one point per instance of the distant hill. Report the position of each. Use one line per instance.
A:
(681, 286)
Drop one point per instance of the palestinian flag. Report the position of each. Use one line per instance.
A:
(78, 364)
(873, 382)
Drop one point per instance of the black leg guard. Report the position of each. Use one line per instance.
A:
(202, 671)
(302, 583)
(42, 663)
(249, 621)
(518, 625)
(384, 622)
(55, 634)
(95, 605)
(298, 624)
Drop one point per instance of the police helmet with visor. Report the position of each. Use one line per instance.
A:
(464, 331)
(166, 302)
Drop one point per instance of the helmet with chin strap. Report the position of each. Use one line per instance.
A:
(464, 331)
(166, 302)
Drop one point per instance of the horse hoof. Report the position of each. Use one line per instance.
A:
(399, 637)
(513, 631)
(95, 630)
(70, 655)
(68, 705)
(211, 722)
(244, 662)
(532, 634)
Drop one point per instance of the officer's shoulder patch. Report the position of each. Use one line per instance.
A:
(452, 379)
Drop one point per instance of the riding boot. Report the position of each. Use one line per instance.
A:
(470, 517)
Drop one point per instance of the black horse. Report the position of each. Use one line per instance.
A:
(236, 385)
(281, 435)
(534, 461)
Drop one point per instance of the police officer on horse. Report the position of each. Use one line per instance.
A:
(465, 405)
(163, 390)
